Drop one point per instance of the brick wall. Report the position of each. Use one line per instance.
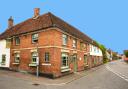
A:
(50, 41)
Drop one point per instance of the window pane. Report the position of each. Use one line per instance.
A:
(3, 58)
(34, 38)
(64, 59)
(47, 57)
(17, 40)
(17, 57)
(34, 57)
(65, 39)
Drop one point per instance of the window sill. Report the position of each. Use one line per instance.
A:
(46, 64)
(2, 63)
(33, 64)
(65, 69)
(15, 63)
(17, 44)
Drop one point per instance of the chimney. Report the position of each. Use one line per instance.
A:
(10, 22)
(36, 12)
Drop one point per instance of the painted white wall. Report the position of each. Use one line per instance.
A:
(6, 51)
(95, 51)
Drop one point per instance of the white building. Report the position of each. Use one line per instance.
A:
(95, 51)
(5, 53)
(95, 55)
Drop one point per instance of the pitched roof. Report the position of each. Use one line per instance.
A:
(44, 21)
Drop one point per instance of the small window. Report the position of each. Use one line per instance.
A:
(17, 57)
(3, 58)
(17, 40)
(34, 38)
(82, 46)
(74, 43)
(8, 43)
(65, 60)
(34, 57)
(85, 59)
(65, 39)
(47, 57)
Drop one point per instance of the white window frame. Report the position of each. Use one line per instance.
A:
(35, 38)
(17, 40)
(17, 57)
(47, 57)
(65, 39)
(74, 44)
(3, 55)
(34, 56)
(66, 64)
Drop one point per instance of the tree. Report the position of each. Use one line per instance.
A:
(126, 53)
(103, 49)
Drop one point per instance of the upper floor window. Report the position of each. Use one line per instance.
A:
(8, 43)
(74, 43)
(34, 38)
(17, 57)
(47, 57)
(17, 40)
(65, 39)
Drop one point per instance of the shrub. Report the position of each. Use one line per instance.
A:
(126, 53)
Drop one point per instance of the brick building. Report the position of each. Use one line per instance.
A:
(57, 46)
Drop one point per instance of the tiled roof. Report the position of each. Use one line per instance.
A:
(44, 21)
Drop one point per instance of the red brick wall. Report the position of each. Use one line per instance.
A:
(49, 37)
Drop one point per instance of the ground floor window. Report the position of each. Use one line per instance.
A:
(17, 57)
(64, 60)
(3, 58)
(47, 57)
(85, 59)
(34, 57)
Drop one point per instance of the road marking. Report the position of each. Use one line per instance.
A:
(118, 74)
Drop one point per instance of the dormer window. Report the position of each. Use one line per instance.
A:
(34, 38)
(17, 40)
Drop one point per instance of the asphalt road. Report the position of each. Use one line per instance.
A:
(110, 76)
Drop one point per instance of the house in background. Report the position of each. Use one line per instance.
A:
(58, 47)
(125, 56)
(96, 55)
(109, 54)
(5, 45)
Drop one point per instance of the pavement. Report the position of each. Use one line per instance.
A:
(112, 75)
(47, 81)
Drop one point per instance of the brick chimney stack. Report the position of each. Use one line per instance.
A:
(36, 12)
(10, 22)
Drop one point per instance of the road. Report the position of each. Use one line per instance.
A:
(110, 76)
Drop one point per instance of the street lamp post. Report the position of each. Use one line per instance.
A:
(37, 62)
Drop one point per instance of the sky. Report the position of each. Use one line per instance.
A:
(105, 21)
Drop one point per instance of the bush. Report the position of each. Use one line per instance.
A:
(126, 53)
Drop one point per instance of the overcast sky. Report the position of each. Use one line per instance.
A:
(103, 20)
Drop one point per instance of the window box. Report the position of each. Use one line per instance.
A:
(33, 64)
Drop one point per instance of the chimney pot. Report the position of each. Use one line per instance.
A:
(10, 22)
(36, 12)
